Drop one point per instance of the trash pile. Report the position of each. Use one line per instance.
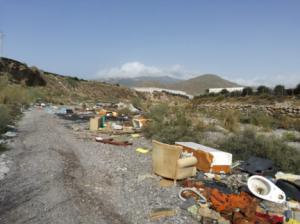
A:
(214, 188)
(220, 191)
(113, 122)
(104, 117)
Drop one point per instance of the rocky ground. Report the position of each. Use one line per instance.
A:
(55, 174)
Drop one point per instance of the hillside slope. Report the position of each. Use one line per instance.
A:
(57, 88)
(144, 81)
(199, 84)
(193, 86)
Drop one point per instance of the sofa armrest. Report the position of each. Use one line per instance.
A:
(186, 162)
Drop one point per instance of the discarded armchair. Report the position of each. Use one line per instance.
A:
(167, 163)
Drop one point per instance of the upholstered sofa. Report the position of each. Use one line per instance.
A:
(167, 163)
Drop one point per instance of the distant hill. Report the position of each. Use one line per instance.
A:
(194, 86)
(144, 81)
(199, 84)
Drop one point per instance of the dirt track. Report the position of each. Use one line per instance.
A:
(56, 177)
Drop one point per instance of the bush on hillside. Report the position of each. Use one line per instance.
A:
(231, 120)
(247, 144)
(248, 91)
(72, 81)
(279, 90)
(261, 119)
(171, 125)
(290, 137)
(14, 94)
(297, 89)
(263, 90)
(4, 117)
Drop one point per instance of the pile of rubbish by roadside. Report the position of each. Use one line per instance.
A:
(216, 190)
(213, 187)
(108, 118)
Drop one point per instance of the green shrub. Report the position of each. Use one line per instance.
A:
(136, 102)
(231, 120)
(247, 144)
(285, 122)
(4, 117)
(14, 94)
(290, 137)
(261, 119)
(170, 125)
(3, 148)
(72, 81)
(279, 90)
(263, 90)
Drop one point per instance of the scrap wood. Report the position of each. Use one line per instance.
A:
(113, 142)
(161, 213)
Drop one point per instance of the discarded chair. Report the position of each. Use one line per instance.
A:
(167, 163)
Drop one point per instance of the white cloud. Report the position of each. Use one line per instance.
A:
(137, 69)
(289, 81)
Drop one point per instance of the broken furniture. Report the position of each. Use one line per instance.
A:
(209, 159)
(167, 163)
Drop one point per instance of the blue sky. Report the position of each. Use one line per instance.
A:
(252, 42)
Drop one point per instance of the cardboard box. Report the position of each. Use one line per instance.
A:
(94, 123)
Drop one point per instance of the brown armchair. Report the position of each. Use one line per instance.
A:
(167, 163)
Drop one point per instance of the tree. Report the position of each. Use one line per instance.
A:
(279, 90)
(297, 89)
(224, 92)
(263, 90)
(290, 92)
(235, 93)
(247, 91)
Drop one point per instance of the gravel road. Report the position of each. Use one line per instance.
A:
(58, 175)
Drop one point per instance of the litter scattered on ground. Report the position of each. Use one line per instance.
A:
(263, 188)
(161, 213)
(259, 166)
(287, 176)
(135, 135)
(4, 169)
(111, 141)
(214, 187)
(10, 134)
(142, 150)
(237, 195)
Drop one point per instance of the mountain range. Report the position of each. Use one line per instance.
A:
(194, 86)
